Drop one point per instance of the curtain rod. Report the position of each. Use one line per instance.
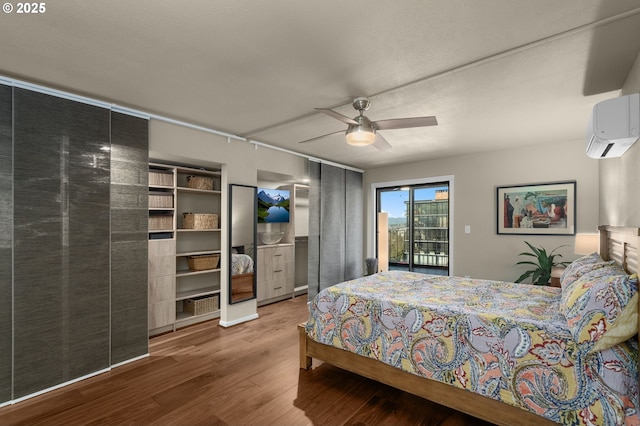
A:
(8, 81)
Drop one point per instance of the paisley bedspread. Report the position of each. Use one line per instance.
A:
(241, 264)
(503, 340)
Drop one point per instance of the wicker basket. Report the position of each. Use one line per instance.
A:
(200, 221)
(200, 182)
(203, 262)
(160, 200)
(160, 178)
(201, 305)
(160, 222)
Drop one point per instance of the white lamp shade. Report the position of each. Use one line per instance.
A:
(360, 138)
(587, 243)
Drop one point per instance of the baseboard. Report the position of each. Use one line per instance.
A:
(127, 361)
(238, 321)
(61, 385)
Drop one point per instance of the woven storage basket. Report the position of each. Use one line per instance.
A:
(200, 221)
(201, 305)
(160, 200)
(160, 222)
(200, 182)
(203, 262)
(160, 178)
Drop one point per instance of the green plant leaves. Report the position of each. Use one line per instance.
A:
(541, 272)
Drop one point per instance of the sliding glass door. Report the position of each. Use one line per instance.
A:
(418, 226)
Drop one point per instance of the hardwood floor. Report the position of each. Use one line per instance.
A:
(244, 375)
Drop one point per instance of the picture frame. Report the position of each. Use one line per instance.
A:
(537, 209)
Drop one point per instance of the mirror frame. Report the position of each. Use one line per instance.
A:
(254, 256)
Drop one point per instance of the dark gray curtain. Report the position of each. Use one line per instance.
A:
(73, 240)
(354, 226)
(6, 242)
(335, 226)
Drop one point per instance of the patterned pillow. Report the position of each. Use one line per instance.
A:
(603, 268)
(582, 263)
(594, 271)
(601, 307)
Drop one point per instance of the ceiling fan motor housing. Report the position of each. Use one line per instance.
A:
(361, 104)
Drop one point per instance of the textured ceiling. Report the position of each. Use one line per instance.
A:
(495, 73)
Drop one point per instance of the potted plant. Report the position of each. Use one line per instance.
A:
(541, 273)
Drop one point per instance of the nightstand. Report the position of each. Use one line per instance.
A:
(556, 273)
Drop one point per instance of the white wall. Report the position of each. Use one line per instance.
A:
(241, 163)
(483, 253)
(620, 177)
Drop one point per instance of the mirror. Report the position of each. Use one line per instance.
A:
(243, 225)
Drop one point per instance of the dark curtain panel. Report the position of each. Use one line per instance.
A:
(6, 240)
(354, 209)
(332, 225)
(313, 264)
(129, 238)
(335, 226)
(61, 240)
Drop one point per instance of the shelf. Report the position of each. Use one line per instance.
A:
(182, 295)
(196, 171)
(182, 317)
(187, 273)
(161, 209)
(197, 253)
(198, 191)
(198, 230)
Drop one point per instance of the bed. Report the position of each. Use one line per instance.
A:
(503, 352)
(242, 270)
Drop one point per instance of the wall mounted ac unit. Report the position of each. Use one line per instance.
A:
(614, 126)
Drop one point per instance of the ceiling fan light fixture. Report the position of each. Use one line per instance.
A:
(361, 134)
(361, 137)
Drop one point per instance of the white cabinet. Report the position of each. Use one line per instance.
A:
(162, 283)
(184, 255)
(275, 272)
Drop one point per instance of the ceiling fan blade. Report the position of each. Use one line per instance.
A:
(337, 115)
(381, 143)
(320, 137)
(405, 123)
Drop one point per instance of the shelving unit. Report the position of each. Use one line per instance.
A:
(177, 190)
(161, 201)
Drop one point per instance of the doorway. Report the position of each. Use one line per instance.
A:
(418, 226)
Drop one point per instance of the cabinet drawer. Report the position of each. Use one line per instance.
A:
(275, 271)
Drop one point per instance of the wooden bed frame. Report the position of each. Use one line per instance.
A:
(616, 243)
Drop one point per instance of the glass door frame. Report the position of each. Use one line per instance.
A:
(373, 241)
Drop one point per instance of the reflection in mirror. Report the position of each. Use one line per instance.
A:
(242, 242)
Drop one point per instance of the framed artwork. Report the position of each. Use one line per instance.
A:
(539, 209)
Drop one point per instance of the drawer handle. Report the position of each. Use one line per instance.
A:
(277, 288)
(277, 255)
(278, 270)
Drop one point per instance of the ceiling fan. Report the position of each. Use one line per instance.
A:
(362, 131)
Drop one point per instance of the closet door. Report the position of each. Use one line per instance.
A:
(6, 241)
(61, 240)
(129, 237)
